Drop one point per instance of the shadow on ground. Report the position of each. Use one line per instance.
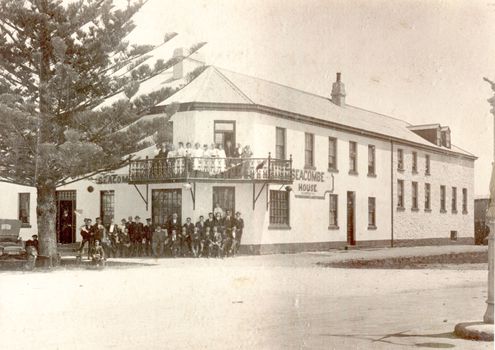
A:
(387, 339)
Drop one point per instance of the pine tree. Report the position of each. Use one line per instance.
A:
(56, 61)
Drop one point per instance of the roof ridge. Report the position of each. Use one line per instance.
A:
(273, 82)
(235, 87)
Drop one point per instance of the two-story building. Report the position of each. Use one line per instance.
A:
(322, 174)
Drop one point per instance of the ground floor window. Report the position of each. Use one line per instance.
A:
(279, 208)
(107, 206)
(333, 211)
(164, 203)
(224, 197)
(371, 212)
(24, 199)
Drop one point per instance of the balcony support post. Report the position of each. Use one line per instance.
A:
(145, 200)
(256, 196)
(192, 189)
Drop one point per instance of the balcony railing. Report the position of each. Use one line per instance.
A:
(203, 168)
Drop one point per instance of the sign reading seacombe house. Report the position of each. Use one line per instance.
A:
(310, 183)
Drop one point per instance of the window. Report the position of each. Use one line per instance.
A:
(224, 132)
(427, 197)
(427, 164)
(442, 199)
(309, 144)
(400, 159)
(332, 153)
(400, 194)
(333, 223)
(107, 206)
(464, 201)
(371, 213)
(371, 160)
(280, 143)
(279, 208)
(164, 204)
(414, 196)
(352, 157)
(454, 200)
(24, 199)
(414, 162)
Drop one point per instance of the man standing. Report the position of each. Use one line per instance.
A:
(229, 224)
(174, 229)
(239, 227)
(85, 234)
(137, 229)
(188, 231)
(100, 234)
(148, 235)
(112, 230)
(158, 241)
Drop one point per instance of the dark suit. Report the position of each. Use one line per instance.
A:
(239, 228)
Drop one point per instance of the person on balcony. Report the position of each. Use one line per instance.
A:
(198, 154)
(221, 158)
(212, 163)
(246, 162)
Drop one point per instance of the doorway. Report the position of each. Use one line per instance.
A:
(224, 134)
(66, 219)
(225, 196)
(351, 218)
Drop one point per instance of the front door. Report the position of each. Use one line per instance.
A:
(66, 220)
(225, 197)
(351, 217)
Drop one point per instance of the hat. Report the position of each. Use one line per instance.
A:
(137, 217)
(34, 236)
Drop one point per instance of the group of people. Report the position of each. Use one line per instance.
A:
(213, 159)
(219, 235)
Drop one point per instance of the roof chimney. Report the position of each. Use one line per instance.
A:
(178, 69)
(338, 92)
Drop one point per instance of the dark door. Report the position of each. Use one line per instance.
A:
(66, 220)
(225, 196)
(351, 218)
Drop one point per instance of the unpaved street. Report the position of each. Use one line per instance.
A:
(256, 302)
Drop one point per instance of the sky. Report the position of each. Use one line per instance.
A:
(420, 61)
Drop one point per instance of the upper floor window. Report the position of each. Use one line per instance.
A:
(464, 201)
(333, 211)
(414, 195)
(332, 153)
(442, 199)
(309, 144)
(371, 160)
(427, 164)
(280, 143)
(352, 157)
(400, 193)
(400, 159)
(414, 162)
(24, 207)
(427, 197)
(454, 200)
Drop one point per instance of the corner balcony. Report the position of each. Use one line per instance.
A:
(203, 169)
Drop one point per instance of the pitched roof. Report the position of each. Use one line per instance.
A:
(216, 85)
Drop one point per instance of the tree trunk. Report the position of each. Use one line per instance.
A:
(46, 211)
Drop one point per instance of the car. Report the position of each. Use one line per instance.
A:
(11, 245)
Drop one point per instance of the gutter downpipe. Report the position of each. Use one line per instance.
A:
(391, 193)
